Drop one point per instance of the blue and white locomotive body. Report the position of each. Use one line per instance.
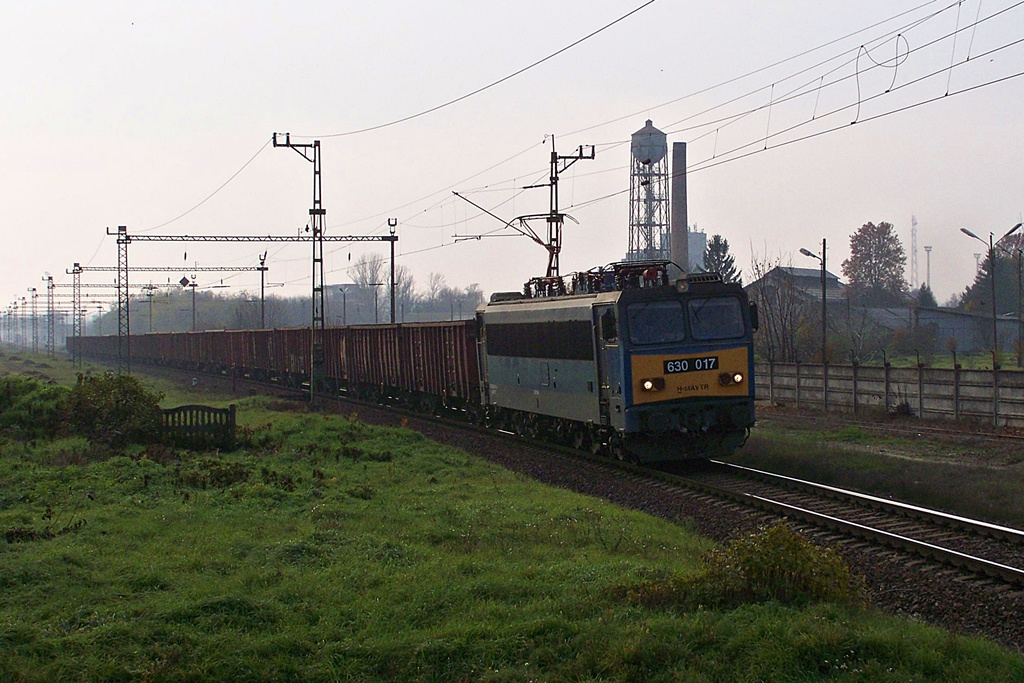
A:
(648, 371)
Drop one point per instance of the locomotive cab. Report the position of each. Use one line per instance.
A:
(688, 366)
(623, 361)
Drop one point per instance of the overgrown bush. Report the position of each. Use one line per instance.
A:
(774, 564)
(114, 409)
(31, 410)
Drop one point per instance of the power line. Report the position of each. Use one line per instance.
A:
(489, 85)
(211, 195)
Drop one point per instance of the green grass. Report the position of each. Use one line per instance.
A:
(333, 550)
(328, 549)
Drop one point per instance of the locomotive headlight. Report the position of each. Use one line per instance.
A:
(653, 384)
(727, 378)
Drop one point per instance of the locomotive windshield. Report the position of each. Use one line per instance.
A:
(719, 318)
(656, 322)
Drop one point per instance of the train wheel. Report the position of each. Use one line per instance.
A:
(579, 438)
(616, 447)
(519, 424)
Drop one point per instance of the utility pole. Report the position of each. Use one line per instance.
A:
(149, 296)
(263, 309)
(24, 327)
(555, 218)
(76, 312)
(311, 152)
(124, 326)
(35, 319)
(392, 224)
(824, 304)
(49, 316)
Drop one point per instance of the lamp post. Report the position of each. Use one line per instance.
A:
(344, 303)
(928, 267)
(824, 304)
(375, 285)
(992, 280)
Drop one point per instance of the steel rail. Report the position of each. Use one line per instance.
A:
(923, 549)
(976, 526)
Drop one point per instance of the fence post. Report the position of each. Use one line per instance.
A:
(995, 396)
(920, 390)
(798, 385)
(824, 384)
(853, 361)
(771, 382)
(887, 386)
(956, 390)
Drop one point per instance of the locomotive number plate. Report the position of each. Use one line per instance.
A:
(673, 367)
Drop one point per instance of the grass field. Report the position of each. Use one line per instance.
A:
(328, 549)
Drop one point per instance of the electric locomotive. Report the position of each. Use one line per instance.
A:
(621, 360)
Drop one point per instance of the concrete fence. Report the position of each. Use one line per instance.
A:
(995, 397)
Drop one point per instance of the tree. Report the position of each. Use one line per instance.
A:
(783, 312)
(925, 298)
(978, 295)
(717, 259)
(368, 270)
(875, 267)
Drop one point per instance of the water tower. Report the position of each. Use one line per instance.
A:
(648, 195)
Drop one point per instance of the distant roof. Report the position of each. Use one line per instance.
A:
(808, 272)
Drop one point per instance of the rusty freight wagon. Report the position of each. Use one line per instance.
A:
(428, 366)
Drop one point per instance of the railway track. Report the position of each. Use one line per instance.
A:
(975, 547)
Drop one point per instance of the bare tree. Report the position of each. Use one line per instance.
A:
(435, 283)
(782, 309)
(368, 270)
(862, 334)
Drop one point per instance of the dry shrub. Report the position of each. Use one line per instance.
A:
(772, 565)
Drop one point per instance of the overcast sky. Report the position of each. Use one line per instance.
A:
(134, 113)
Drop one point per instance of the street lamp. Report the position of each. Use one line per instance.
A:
(375, 285)
(992, 279)
(824, 304)
(344, 303)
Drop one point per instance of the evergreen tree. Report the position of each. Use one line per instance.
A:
(925, 298)
(875, 267)
(978, 295)
(717, 259)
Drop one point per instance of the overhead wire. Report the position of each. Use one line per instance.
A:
(612, 145)
(489, 85)
(912, 24)
(212, 194)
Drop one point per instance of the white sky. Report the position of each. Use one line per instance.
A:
(132, 113)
